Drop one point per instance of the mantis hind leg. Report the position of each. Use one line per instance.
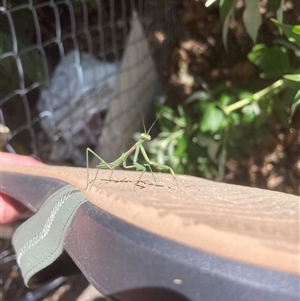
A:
(92, 182)
(150, 171)
(90, 151)
(159, 166)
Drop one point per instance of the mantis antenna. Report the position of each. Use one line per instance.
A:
(152, 123)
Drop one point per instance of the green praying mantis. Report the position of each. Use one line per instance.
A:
(136, 148)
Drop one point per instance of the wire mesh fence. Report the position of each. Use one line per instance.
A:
(60, 64)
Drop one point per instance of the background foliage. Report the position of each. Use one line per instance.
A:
(226, 123)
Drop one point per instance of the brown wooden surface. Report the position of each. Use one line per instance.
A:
(250, 225)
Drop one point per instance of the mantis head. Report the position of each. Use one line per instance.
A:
(145, 137)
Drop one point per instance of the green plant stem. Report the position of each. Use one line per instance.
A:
(275, 88)
(173, 136)
(223, 155)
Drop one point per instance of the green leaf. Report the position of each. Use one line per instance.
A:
(211, 146)
(225, 100)
(292, 77)
(222, 162)
(213, 149)
(295, 104)
(198, 95)
(226, 13)
(181, 146)
(292, 32)
(212, 120)
(296, 30)
(252, 18)
(226, 6)
(209, 2)
(279, 12)
(276, 5)
(250, 112)
(266, 109)
(234, 118)
(274, 60)
(244, 94)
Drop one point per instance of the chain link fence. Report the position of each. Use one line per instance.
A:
(60, 63)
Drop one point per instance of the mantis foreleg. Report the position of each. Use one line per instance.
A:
(157, 165)
(137, 165)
